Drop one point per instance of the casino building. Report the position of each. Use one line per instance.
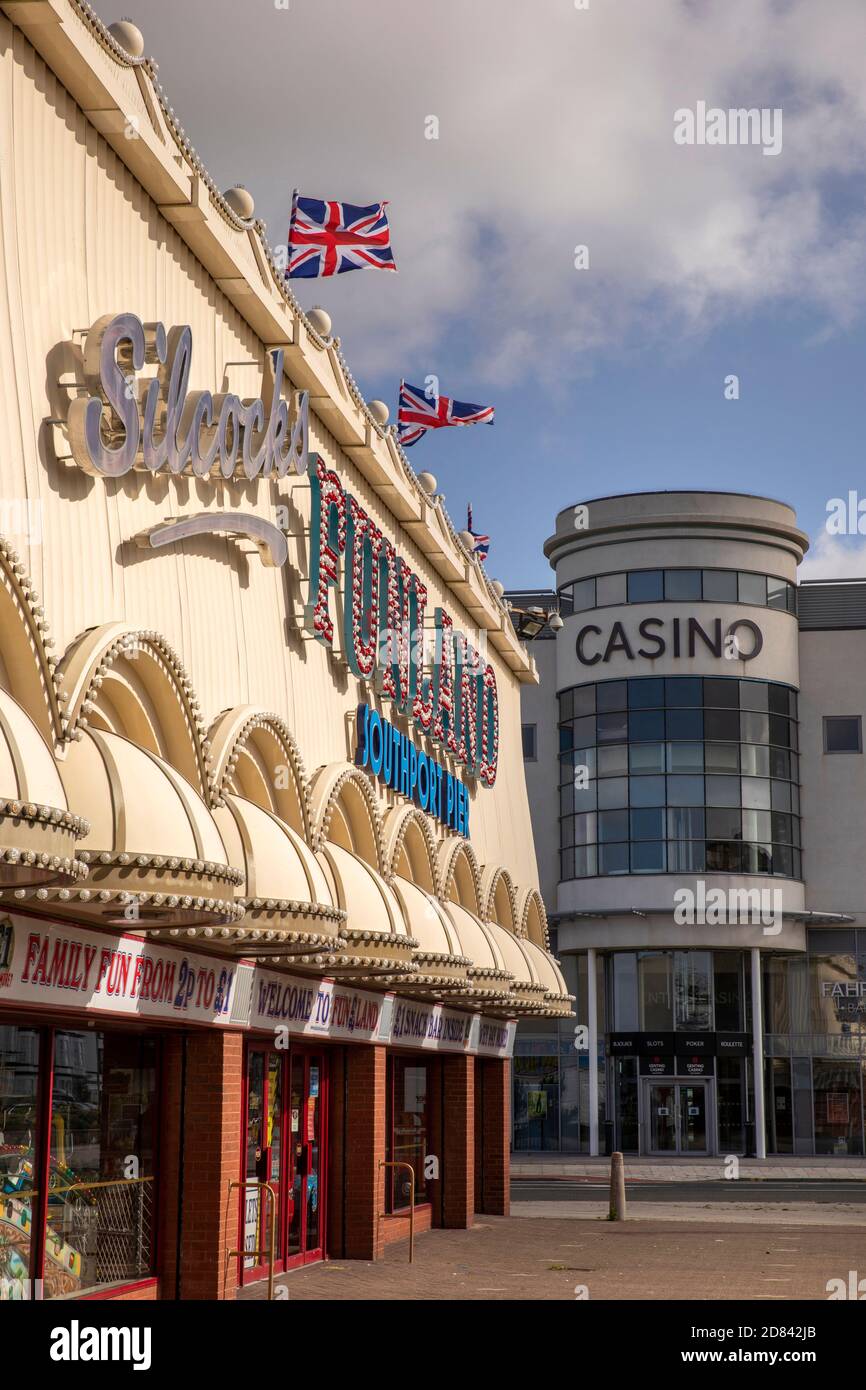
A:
(694, 757)
(269, 905)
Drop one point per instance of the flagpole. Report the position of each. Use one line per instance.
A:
(291, 225)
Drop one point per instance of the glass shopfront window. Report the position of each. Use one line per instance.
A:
(535, 1071)
(90, 1180)
(693, 990)
(732, 1105)
(656, 996)
(19, 1120)
(729, 995)
(838, 1106)
(550, 1076)
(408, 1129)
(779, 1106)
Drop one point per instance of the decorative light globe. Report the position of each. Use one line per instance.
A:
(129, 36)
(240, 200)
(320, 321)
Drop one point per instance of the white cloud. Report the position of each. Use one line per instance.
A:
(556, 128)
(834, 557)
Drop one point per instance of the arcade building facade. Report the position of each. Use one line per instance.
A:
(694, 757)
(269, 906)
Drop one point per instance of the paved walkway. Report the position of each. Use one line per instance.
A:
(507, 1258)
(685, 1169)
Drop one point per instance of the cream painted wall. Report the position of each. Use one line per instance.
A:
(80, 238)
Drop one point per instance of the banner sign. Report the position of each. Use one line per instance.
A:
(495, 1038)
(430, 1026)
(69, 968)
(51, 965)
(315, 1008)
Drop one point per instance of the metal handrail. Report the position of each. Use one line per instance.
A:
(239, 1254)
(396, 1163)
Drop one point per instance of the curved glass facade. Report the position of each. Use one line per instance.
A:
(684, 774)
(677, 586)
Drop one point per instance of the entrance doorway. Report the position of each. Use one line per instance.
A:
(677, 1117)
(285, 1109)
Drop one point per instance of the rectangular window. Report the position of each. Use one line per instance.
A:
(647, 791)
(693, 990)
(728, 992)
(610, 589)
(646, 586)
(777, 593)
(686, 822)
(682, 586)
(754, 695)
(656, 999)
(838, 1107)
(612, 793)
(646, 757)
(612, 695)
(625, 1007)
(720, 586)
(583, 591)
(529, 733)
(408, 1129)
(843, 733)
(101, 1222)
(99, 1216)
(613, 761)
(19, 1122)
(613, 859)
(752, 588)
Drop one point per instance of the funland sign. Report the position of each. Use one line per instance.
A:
(454, 703)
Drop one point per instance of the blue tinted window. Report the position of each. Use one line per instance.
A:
(646, 726)
(645, 586)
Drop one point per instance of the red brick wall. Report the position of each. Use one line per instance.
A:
(358, 1137)
(148, 1294)
(458, 1141)
(493, 1138)
(200, 1155)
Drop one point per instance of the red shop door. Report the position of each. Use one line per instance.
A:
(285, 1108)
(264, 1160)
(307, 1142)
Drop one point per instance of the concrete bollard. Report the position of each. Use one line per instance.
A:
(617, 1189)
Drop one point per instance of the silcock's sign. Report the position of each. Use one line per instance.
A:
(159, 423)
(455, 703)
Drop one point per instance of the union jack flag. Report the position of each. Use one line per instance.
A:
(481, 548)
(328, 238)
(419, 412)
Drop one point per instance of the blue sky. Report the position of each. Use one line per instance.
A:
(556, 130)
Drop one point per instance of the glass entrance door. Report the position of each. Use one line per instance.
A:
(307, 1112)
(677, 1118)
(263, 1163)
(286, 1147)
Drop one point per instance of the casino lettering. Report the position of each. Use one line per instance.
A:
(679, 637)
